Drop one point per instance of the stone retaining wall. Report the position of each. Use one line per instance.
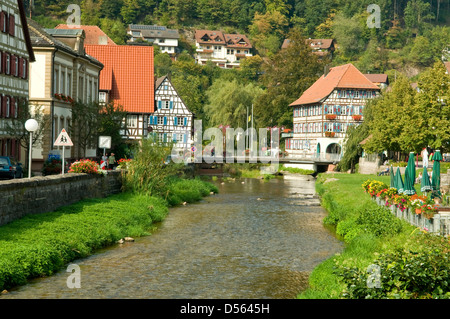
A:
(20, 197)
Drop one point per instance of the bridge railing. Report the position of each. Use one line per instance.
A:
(317, 157)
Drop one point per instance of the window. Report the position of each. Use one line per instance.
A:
(16, 108)
(161, 137)
(4, 21)
(16, 65)
(180, 121)
(160, 120)
(132, 121)
(166, 104)
(102, 97)
(7, 64)
(8, 101)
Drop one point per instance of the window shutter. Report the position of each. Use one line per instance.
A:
(2, 20)
(185, 138)
(174, 137)
(1, 63)
(159, 104)
(12, 107)
(165, 120)
(171, 105)
(25, 69)
(175, 121)
(165, 137)
(20, 67)
(2, 114)
(12, 25)
(185, 121)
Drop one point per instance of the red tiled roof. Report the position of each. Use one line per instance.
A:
(94, 35)
(345, 76)
(235, 40)
(128, 75)
(208, 36)
(447, 66)
(377, 78)
(315, 43)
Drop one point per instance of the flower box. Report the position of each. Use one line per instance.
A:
(331, 116)
(330, 134)
(357, 117)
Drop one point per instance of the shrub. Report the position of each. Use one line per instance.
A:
(85, 166)
(403, 274)
(379, 221)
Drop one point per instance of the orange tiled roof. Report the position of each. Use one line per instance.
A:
(128, 75)
(94, 35)
(447, 66)
(345, 77)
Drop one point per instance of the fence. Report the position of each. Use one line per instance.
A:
(439, 224)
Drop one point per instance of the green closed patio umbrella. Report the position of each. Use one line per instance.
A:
(436, 175)
(399, 181)
(392, 175)
(410, 176)
(425, 185)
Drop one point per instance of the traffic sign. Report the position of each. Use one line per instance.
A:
(63, 139)
(104, 142)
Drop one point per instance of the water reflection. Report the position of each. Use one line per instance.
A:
(256, 239)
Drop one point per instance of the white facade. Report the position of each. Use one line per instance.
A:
(172, 120)
(166, 39)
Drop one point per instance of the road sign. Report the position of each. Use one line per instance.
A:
(63, 139)
(104, 142)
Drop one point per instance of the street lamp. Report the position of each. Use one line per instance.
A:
(31, 126)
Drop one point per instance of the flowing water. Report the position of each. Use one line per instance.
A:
(255, 239)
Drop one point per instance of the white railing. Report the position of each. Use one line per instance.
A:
(439, 224)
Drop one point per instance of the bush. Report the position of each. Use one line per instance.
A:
(188, 190)
(379, 221)
(402, 274)
(51, 167)
(85, 166)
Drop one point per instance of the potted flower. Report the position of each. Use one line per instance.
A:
(330, 116)
(357, 117)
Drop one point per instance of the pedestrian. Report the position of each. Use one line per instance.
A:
(104, 162)
(111, 161)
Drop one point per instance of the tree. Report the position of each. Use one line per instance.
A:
(390, 118)
(286, 76)
(350, 34)
(84, 126)
(416, 14)
(268, 31)
(352, 147)
(15, 127)
(433, 108)
(229, 101)
(110, 123)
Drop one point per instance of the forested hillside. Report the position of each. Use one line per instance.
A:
(412, 36)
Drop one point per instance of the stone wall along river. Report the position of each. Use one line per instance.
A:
(255, 239)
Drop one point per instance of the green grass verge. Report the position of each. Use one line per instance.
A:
(360, 223)
(39, 245)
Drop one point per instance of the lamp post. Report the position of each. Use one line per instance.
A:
(31, 126)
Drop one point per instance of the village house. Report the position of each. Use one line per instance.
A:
(172, 121)
(166, 39)
(320, 47)
(127, 79)
(61, 74)
(93, 34)
(16, 53)
(326, 109)
(224, 50)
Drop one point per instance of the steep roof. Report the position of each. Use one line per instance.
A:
(377, 78)
(346, 76)
(447, 66)
(26, 33)
(210, 37)
(94, 35)
(237, 41)
(154, 31)
(41, 37)
(317, 44)
(128, 75)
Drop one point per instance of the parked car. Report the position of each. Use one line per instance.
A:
(10, 168)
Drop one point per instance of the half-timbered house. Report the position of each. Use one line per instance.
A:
(324, 112)
(127, 79)
(172, 119)
(16, 53)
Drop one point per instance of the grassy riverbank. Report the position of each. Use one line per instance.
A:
(39, 245)
(373, 236)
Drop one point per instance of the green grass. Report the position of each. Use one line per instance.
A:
(345, 200)
(39, 245)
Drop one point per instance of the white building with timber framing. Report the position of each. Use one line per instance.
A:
(172, 120)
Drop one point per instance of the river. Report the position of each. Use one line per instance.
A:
(255, 239)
